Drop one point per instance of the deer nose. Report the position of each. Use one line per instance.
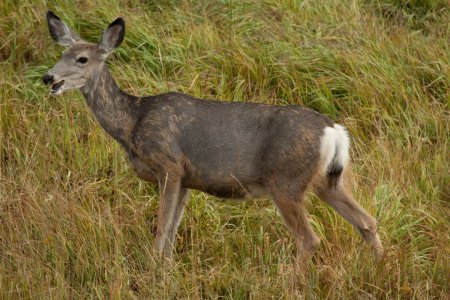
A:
(47, 79)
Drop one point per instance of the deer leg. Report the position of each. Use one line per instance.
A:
(183, 198)
(296, 219)
(344, 203)
(169, 190)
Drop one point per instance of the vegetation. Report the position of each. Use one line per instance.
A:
(75, 222)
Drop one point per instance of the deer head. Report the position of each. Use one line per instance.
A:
(81, 59)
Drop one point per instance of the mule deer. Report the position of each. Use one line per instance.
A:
(227, 149)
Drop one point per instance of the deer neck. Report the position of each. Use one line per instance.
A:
(112, 107)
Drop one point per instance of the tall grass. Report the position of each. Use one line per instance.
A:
(75, 222)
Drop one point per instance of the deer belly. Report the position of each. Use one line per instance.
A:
(229, 192)
(228, 187)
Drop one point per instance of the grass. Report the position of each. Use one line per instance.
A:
(75, 222)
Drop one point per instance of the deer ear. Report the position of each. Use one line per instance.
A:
(113, 35)
(59, 31)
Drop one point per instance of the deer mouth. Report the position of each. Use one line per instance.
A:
(56, 88)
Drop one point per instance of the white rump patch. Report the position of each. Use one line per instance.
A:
(335, 139)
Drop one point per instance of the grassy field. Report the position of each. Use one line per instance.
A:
(75, 222)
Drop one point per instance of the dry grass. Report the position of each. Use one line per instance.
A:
(75, 222)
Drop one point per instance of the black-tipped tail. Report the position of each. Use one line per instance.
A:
(334, 171)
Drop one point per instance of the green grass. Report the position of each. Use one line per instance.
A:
(75, 222)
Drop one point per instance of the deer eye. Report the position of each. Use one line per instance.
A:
(82, 60)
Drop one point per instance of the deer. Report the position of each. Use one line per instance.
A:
(231, 150)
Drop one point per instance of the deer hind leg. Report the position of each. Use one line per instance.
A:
(169, 190)
(294, 215)
(341, 199)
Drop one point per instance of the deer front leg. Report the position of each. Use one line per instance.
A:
(141, 169)
(169, 190)
(183, 198)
